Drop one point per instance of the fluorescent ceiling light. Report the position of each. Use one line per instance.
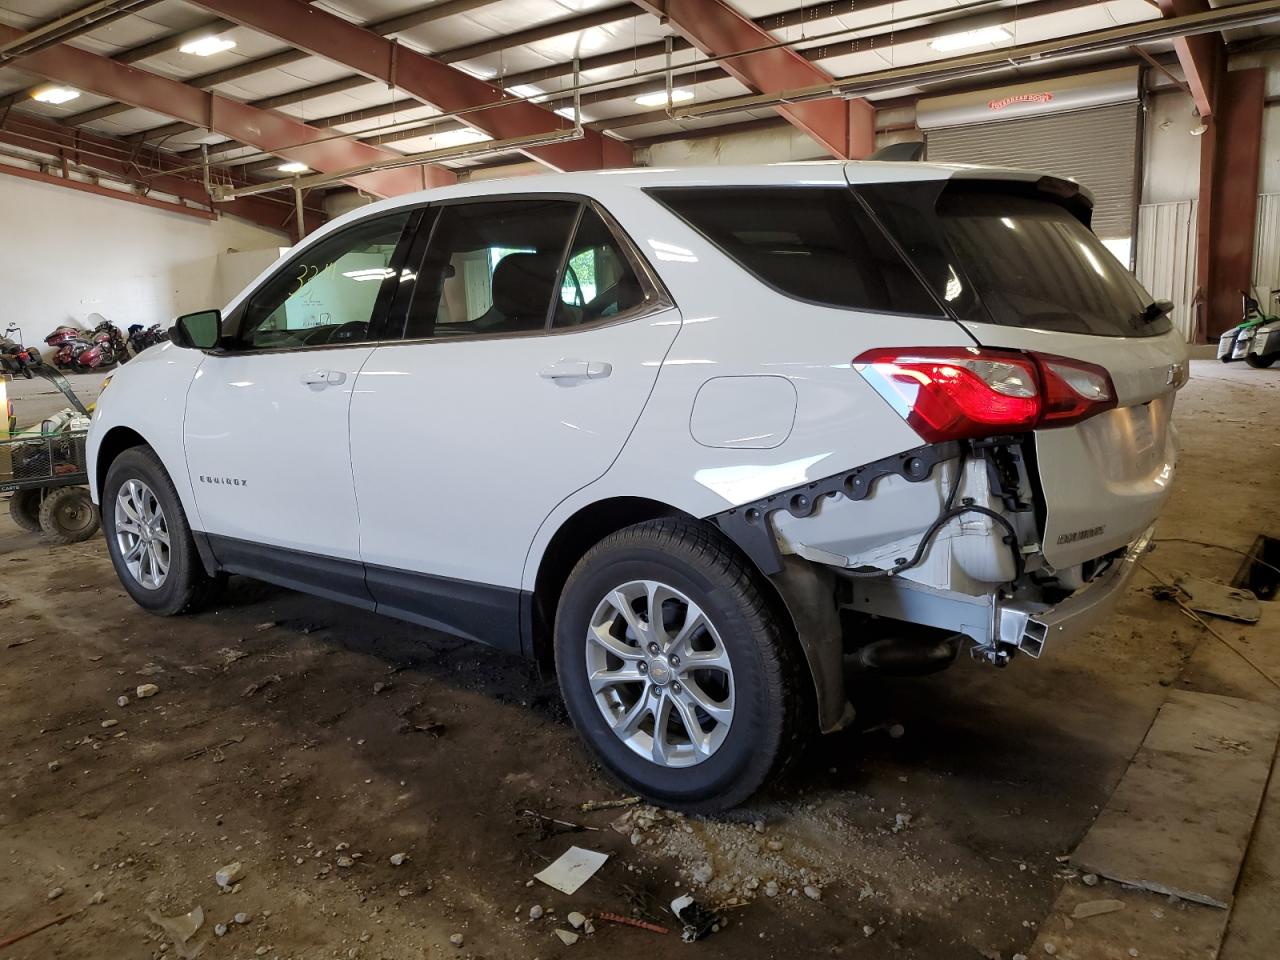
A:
(659, 98)
(970, 38)
(207, 46)
(293, 166)
(54, 94)
(458, 138)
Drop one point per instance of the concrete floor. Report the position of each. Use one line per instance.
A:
(290, 734)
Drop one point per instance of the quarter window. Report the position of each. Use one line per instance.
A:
(329, 294)
(598, 281)
(491, 268)
(812, 243)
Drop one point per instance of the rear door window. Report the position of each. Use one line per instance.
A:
(813, 243)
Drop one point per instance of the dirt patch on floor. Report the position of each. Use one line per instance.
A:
(312, 742)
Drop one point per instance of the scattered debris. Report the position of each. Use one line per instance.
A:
(122, 701)
(108, 724)
(398, 858)
(633, 922)
(345, 862)
(55, 893)
(241, 918)
(535, 912)
(180, 929)
(812, 892)
(147, 690)
(573, 868)
(97, 898)
(703, 874)
(11, 940)
(55, 766)
(219, 929)
(230, 655)
(20, 643)
(230, 874)
(698, 921)
(380, 686)
(567, 937)
(901, 821)
(576, 920)
(257, 685)
(568, 825)
(215, 749)
(263, 627)
(1218, 599)
(1089, 879)
(1095, 908)
(590, 805)
(456, 939)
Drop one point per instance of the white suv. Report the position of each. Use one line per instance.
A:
(708, 439)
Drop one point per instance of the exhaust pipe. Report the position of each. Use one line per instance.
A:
(906, 656)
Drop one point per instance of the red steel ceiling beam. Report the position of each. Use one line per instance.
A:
(126, 164)
(432, 82)
(266, 130)
(1203, 57)
(844, 128)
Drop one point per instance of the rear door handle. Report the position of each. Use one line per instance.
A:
(576, 370)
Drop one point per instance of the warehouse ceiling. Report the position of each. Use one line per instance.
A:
(626, 57)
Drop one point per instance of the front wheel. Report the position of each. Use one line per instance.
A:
(149, 539)
(1261, 362)
(676, 669)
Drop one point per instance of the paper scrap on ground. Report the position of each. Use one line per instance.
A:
(574, 868)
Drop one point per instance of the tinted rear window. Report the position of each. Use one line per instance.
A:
(812, 243)
(999, 254)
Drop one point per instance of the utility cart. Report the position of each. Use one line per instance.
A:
(44, 469)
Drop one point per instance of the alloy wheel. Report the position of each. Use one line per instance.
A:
(660, 673)
(142, 534)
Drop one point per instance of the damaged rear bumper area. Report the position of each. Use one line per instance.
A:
(998, 625)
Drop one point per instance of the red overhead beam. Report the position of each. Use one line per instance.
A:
(1202, 57)
(127, 164)
(39, 176)
(845, 128)
(263, 129)
(447, 88)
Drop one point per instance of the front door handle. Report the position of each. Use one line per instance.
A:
(322, 378)
(576, 370)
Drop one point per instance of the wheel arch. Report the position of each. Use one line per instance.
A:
(115, 442)
(787, 593)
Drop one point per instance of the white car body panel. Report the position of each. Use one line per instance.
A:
(268, 454)
(460, 449)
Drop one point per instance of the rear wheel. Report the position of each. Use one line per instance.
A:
(24, 508)
(67, 515)
(149, 539)
(1261, 362)
(674, 667)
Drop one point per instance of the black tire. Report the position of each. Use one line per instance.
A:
(1262, 362)
(24, 508)
(67, 515)
(766, 729)
(186, 586)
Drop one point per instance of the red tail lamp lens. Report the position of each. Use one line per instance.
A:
(955, 393)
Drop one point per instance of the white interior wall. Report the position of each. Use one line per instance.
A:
(66, 254)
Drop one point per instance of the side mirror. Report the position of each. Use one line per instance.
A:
(198, 331)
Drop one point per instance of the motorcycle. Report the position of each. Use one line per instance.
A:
(1256, 340)
(140, 338)
(108, 333)
(14, 357)
(73, 350)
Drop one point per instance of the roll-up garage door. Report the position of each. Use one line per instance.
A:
(1097, 147)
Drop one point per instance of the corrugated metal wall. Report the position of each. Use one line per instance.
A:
(1266, 245)
(1165, 259)
(1097, 147)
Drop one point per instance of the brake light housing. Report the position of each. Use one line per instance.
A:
(958, 393)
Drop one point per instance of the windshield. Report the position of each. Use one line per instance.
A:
(1000, 253)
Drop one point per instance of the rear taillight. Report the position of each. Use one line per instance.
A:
(955, 393)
